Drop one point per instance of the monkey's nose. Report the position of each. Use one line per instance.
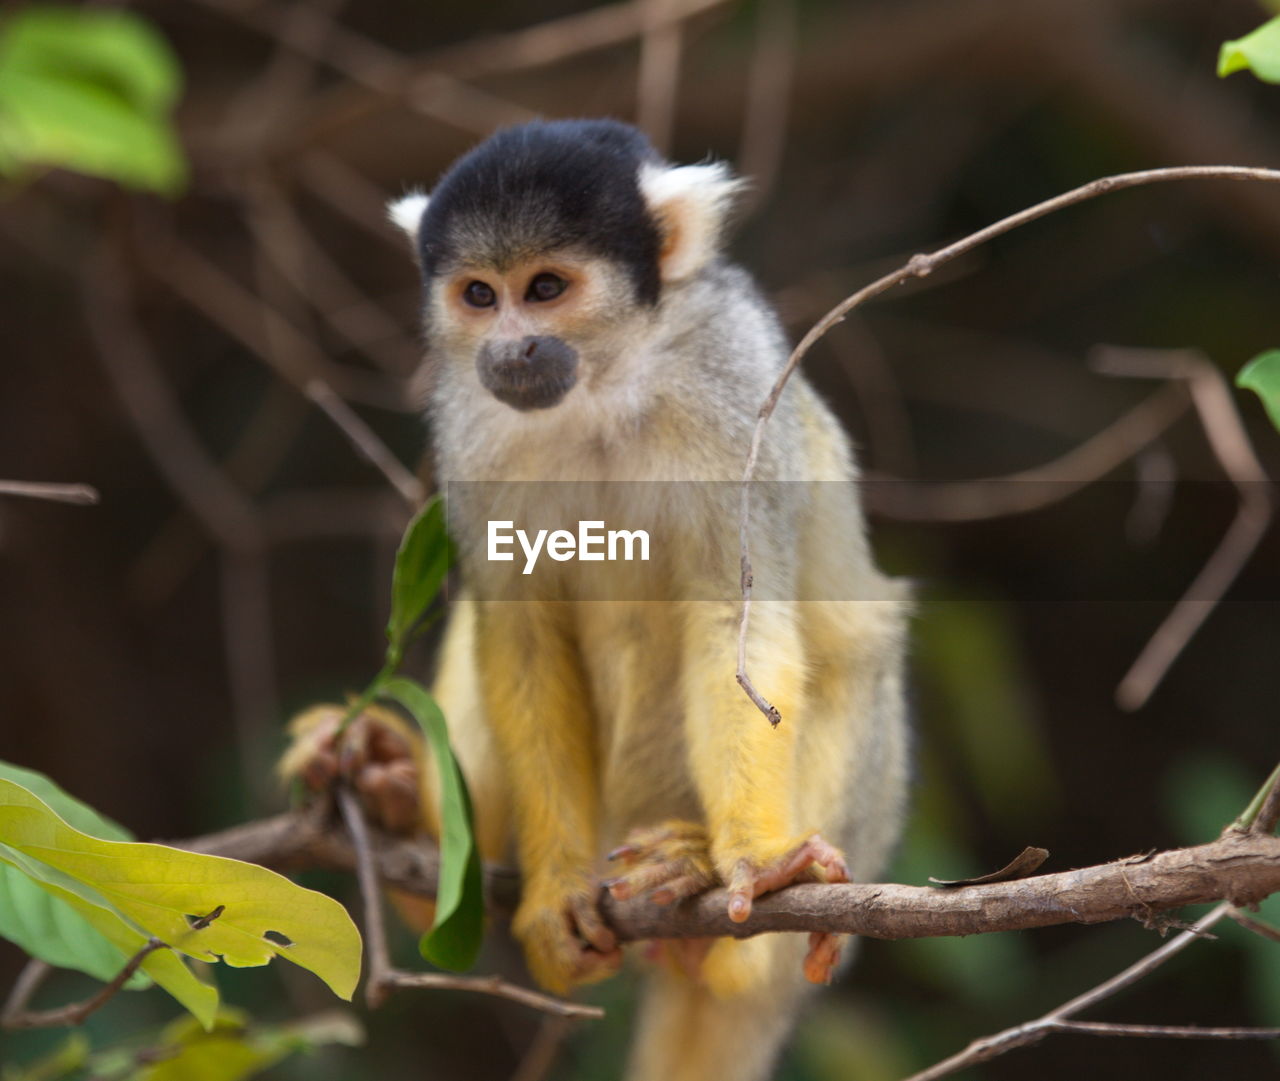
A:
(533, 372)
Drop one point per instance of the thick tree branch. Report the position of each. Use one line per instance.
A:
(1239, 867)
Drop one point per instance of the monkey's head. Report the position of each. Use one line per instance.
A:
(544, 249)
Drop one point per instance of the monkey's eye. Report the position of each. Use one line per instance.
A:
(546, 287)
(479, 295)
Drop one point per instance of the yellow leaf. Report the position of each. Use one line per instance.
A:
(159, 889)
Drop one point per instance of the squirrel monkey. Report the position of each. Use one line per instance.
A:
(581, 325)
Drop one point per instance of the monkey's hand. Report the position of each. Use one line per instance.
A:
(377, 754)
(812, 860)
(668, 863)
(565, 941)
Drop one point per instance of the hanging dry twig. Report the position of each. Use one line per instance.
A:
(920, 266)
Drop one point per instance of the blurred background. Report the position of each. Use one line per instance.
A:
(157, 343)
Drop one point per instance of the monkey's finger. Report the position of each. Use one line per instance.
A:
(588, 925)
(668, 838)
(823, 956)
(645, 877)
(678, 889)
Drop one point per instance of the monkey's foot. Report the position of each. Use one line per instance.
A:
(376, 755)
(566, 944)
(668, 863)
(823, 956)
(812, 860)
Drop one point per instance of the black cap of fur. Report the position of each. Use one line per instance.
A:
(543, 186)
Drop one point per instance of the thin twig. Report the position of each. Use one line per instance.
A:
(1264, 811)
(81, 494)
(492, 985)
(260, 328)
(661, 46)
(222, 509)
(920, 266)
(1230, 444)
(33, 974)
(541, 1055)
(366, 442)
(988, 1047)
(1175, 1032)
(375, 928)
(764, 130)
(16, 1016)
(537, 46)
(383, 978)
(1030, 489)
(1258, 927)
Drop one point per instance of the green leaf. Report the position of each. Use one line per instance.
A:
(1258, 51)
(422, 562)
(67, 1058)
(38, 921)
(1262, 376)
(73, 812)
(163, 966)
(46, 927)
(89, 90)
(154, 889)
(454, 939)
(234, 1049)
(112, 47)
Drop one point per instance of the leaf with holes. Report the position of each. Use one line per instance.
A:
(154, 890)
(422, 562)
(1258, 52)
(1262, 376)
(454, 939)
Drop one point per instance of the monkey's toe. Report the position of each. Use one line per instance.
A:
(823, 956)
(812, 859)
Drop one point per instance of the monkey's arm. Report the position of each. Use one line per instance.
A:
(536, 701)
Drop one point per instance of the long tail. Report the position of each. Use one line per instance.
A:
(687, 1032)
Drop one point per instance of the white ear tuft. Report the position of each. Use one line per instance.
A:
(406, 213)
(691, 204)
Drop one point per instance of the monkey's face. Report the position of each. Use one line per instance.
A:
(532, 328)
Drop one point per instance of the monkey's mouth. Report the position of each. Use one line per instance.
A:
(532, 373)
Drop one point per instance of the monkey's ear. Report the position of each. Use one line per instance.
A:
(406, 213)
(691, 204)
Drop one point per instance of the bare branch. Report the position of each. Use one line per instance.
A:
(920, 266)
(1231, 447)
(660, 49)
(988, 1047)
(1258, 927)
(1241, 867)
(764, 130)
(82, 494)
(383, 978)
(1030, 489)
(366, 442)
(16, 1016)
(1175, 1032)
